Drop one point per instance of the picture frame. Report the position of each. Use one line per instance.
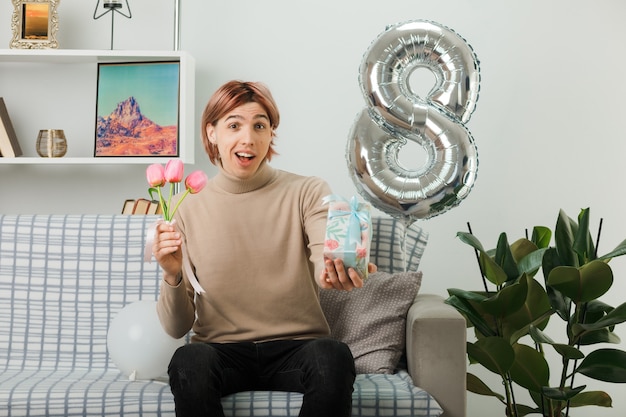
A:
(9, 145)
(34, 24)
(138, 109)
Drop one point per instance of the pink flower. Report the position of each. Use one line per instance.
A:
(331, 244)
(174, 170)
(196, 181)
(361, 252)
(173, 173)
(341, 206)
(155, 175)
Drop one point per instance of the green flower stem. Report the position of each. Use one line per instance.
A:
(182, 197)
(169, 200)
(162, 203)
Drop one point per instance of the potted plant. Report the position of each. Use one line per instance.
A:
(511, 312)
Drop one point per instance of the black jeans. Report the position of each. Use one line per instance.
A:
(322, 369)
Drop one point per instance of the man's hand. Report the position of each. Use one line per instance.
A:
(335, 275)
(167, 251)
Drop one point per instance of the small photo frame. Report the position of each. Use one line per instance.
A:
(138, 109)
(34, 24)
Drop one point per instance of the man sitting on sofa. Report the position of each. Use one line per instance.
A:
(254, 237)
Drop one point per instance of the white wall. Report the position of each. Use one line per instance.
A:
(548, 124)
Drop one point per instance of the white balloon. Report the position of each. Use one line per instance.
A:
(137, 343)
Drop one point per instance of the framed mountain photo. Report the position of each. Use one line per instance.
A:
(137, 109)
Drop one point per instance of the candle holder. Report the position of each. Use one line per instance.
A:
(51, 143)
(112, 6)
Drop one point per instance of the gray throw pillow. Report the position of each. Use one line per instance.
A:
(372, 320)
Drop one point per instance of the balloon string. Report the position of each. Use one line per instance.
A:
(404, 249)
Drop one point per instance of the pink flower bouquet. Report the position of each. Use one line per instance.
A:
(173, 172)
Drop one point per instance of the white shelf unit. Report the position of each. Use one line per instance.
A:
(57, 74)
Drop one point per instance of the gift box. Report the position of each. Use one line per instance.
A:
(348, 232)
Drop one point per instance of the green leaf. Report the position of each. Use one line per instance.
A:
(151, 192)
(524, 410)
(599, 305)
(618, 251)
(539, 322)
(461, 301)
(471, 240)
(467, 295)
(564, 233)
(508, 300)
(541, 236)
(561, 395)
(566, 351)
(599, 336)
(583, 244)
(538, 398)
(521, 248)
(536, 311)
(615, 316)
(550, 261)
(494, 353)
(597, 398)
(608, 365)
(531, 263)
(583, 284)
(504, 258)
(558, 301)
(477, 386)
(595, 310)
(540, 337)
(530, 369)
(493, 272)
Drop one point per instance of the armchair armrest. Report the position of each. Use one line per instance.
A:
(436, 352)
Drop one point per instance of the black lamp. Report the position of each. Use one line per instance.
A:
(112, 6)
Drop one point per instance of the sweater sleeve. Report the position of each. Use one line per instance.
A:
(175, 305)
(315, 215)
(175, 308)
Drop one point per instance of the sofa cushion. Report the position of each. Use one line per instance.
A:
(371, 320)
(62, 279)
(374, 395)
(106, 392)
(395, 246)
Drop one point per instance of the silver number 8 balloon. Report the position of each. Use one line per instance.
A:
(395, 114)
